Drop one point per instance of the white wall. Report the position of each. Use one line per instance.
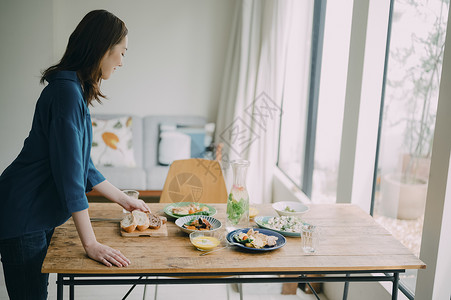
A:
(25, 49)
(174, 64)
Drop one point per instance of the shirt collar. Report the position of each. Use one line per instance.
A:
(68, 75)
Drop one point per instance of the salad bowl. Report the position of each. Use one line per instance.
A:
(290, 208)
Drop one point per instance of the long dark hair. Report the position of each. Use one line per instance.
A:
(96, 34)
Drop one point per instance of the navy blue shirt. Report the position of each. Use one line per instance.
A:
(49, 178)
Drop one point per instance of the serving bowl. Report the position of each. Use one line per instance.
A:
(290, 208)
(215, 223)
(206, 240)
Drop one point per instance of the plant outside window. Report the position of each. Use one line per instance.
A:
(410, 105)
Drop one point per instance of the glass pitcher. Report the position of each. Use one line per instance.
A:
(238, 201)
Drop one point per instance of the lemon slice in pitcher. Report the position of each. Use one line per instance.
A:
(253, 212)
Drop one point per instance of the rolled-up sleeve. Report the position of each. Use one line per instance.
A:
(67, 164)
(94, 176)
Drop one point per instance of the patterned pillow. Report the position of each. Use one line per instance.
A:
(112, 142)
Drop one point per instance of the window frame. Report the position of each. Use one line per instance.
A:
(402, 286)
(434, 247)
(319, 16)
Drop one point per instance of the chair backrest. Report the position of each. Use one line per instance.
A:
(194, 180)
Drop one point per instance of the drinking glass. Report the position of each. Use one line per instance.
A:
(131, 193)
(309, 238)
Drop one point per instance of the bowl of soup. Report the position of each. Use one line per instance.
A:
(206, 240)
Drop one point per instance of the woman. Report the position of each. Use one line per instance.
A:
(46, 184)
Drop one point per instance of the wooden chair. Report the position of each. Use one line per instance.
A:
(194, 180)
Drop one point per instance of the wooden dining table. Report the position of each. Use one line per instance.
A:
(352, 248)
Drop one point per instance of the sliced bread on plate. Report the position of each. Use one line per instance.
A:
(155, 221)
(142, 220)
(128, 223)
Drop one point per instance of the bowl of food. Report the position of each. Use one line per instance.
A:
(290, 208)
(196, 223)
(206, 240)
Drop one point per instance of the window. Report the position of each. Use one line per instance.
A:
(409, 107)
(410, 87)
(312, 118)
(300, 96)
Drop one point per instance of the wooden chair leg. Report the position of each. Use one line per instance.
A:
(289, 288)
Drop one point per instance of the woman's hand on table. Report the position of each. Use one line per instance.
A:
(95, 250)
(106, 255)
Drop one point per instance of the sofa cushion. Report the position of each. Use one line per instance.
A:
(173, 145)
(151, 135)
(112, 142)
(125, 177)
(198, 138)
(136, 130)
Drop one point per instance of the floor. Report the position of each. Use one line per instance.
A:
(173, 292)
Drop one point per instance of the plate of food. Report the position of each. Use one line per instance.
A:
(182, 209)
(285, 225)
(193, 223)
(138, 223)
(256, 239)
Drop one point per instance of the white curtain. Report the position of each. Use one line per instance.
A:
(250, 104)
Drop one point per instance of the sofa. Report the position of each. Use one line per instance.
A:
(143, 169)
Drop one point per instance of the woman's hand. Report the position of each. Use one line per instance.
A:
(131, 204)
(114, 194)
(106, 255)
(99, 252)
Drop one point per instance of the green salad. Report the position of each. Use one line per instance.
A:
(236, 209)
(289, 209)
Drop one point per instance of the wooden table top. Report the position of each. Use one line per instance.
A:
(350, 241)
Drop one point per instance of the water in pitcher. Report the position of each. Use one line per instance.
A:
(238, 201)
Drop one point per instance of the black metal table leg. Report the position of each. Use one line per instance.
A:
(71, 289)
(59, 287)
(313, 291)
(334, 276)
(131, 289)
(346, 288)
(394, 293)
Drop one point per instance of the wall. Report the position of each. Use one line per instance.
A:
(26, 48)
(174, 64)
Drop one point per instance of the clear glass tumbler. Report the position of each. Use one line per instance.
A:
(131, 193)
(309, 238)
